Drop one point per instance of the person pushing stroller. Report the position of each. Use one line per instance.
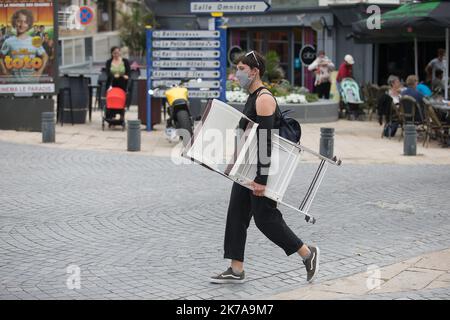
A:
(118, 70)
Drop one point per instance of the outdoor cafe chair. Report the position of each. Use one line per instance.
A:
(373, 92)
(435, 126)
(407, 113)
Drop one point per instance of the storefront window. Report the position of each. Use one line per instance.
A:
(238, 37)
(297, 35)
(257, 41)
(278, 42)
(286, 43)
(106, 15)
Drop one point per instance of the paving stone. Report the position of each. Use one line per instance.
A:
(126, 221)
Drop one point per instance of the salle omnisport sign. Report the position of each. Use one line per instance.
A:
(250, 6)
(27, 47)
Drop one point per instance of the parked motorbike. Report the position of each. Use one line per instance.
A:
(179, 124)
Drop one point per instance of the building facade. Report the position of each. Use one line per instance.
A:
(288, 26)
(81, 45)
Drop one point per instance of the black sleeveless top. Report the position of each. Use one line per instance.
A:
(250, 110)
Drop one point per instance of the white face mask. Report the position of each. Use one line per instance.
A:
(244, 79)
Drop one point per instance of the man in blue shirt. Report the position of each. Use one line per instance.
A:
(424, 89)
(411, 90)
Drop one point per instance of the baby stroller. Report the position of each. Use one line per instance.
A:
(351, 100)
(116, 99)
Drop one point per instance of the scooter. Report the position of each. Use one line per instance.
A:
(179, 123)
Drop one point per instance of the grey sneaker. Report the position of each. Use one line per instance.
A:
(228, 277)
(312, 263)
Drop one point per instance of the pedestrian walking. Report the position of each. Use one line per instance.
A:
(244, 203)
(322, 68)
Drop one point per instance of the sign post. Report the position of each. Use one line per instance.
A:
(219, 25)
(174, 55)
(149, 77)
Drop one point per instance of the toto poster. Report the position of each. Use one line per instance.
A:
(28, 61)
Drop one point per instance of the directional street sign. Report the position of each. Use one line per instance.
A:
(186, 44)
(186, 34)
(171, 74)
(186, 54)
(192, 94)
(190, 85)
(186, 64)
(199, 55)
(229, 6)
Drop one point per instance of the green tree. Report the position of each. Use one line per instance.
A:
(133, 27)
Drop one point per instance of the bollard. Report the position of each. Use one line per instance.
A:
(48, 127)
(327, 142)
(134, 135)
(410, 141)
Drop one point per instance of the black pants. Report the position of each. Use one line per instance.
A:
(243, 205)
(323, 90)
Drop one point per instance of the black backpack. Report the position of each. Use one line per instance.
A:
(290, 129)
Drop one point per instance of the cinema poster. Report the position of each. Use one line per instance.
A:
(28, 63)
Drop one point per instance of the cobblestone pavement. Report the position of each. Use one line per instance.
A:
(139, 227)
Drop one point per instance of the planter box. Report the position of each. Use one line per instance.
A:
(23, 114)
(314, 112)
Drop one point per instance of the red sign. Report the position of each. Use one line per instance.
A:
(86, 15)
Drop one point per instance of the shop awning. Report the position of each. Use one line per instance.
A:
(423, 21)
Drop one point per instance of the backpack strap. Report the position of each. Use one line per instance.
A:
(276, 102)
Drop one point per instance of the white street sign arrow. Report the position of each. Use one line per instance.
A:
(229, 6)
(186, 54)
(186, 64)
(191, 84)
(186, 34)
(158, 74)
(186, 44)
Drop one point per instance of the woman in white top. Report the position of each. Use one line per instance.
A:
(395, 88)
(322, 67)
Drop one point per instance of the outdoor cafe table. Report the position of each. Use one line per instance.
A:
(91, 73)
(442, 106)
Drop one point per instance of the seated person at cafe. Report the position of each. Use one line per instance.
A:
(438, 85)
(395, 88)
(411, 90)
(424, 89)
(389, 98)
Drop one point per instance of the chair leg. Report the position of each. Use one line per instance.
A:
(58, 108)
(71, 107)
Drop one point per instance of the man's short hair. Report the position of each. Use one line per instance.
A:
(411, 80)
(441, 52)
(27, 13)
(255, 60)
(392, 78)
